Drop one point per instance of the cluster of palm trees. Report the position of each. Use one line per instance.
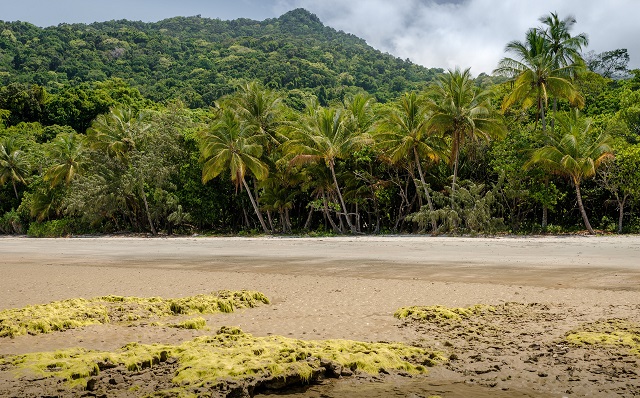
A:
(544, 66)
(253, 134)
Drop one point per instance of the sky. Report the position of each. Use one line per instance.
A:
(434, 33)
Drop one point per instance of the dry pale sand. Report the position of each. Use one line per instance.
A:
(346, 287)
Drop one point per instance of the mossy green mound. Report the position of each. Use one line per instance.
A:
(231, 356)
(438, 313)
(608, 333)
(73, 313)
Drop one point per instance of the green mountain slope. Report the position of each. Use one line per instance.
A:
(200, 59)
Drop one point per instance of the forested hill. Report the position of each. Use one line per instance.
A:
(199, 59)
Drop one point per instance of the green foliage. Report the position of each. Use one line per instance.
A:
(196, 60)
(10, 223)
(468, 209)
(50, 229)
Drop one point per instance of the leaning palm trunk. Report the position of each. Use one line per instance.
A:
(328, 215)
(255, 207)
(434, 225)
(344, 208)
(581, 206)
(146, 208)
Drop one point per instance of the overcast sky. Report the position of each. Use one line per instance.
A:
(433, 33)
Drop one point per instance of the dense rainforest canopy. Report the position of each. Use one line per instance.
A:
(287, 126)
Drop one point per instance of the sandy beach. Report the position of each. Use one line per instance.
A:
(349, 288)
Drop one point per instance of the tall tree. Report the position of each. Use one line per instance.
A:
(535, 75)
(321, 135)
(462, 111)
(120, 134)
(403, 134)
(574, 151)
(229, 144)
(566, 49)
(13, 164)
(67, 152)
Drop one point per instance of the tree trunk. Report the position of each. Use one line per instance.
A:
(255, 207)
(455, 174)
(344, 207)
(287, 220)
(581, 206)
(270, 221)
(15, 190)
(146, 209)
(545, 209)
(307, 223)
(326, 211)
(434, 225)
(621, 212)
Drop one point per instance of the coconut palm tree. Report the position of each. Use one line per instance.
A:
(119, 134)
(462, 111)
(259, 109)
(535, 75)
(229, 144)
(13, 164)
(403, 133)
(321, 135)
(566, 49)
(574, 151)
(67, 152)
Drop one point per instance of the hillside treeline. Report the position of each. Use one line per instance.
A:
(244, 130)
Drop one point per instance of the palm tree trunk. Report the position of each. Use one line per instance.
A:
(326, 212)
(344, 208)
(434, 226)
(581, 206)
(307, 223)
(455, 175)
(15, 190)
(270, 221)
(621, 212)
(146, 208)
(255, 207)
(545, 208)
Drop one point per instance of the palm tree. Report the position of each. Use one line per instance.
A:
(403, 134)
(229, 144)
(116, 132)
(461, 110)
(259, 109)
(67, 152)
(535, 75)
(575, 152)
(119, 134)
(13, 164)
(321, 135)
(566, 49)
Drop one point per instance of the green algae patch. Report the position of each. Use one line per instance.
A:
(74, 313)
(193, 323)
(232, 357)
(608, 333)
(439, 314)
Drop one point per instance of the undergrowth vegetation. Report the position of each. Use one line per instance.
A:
(74, 313)
(231, 355)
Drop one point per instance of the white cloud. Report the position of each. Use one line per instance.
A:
(471, 33)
